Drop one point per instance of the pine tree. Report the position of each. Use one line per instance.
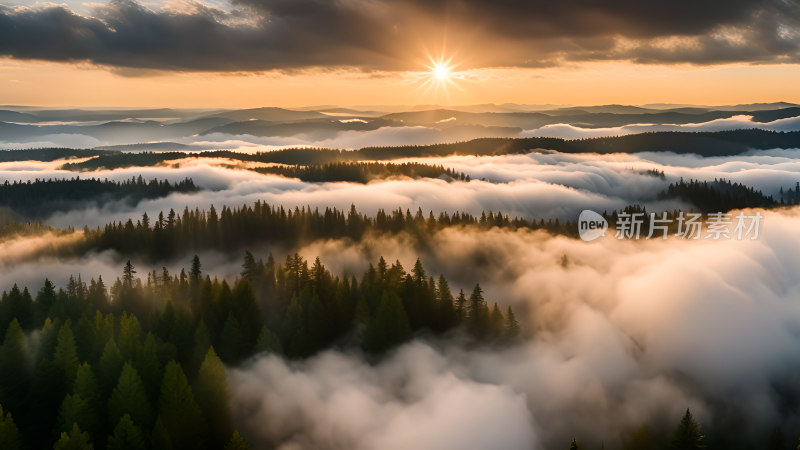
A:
(268, 342)
(14, 376)
(447, 309)
(212, 395)
(231, 346)
(390, 326)
(179, 410)
(149, 367)
(478, 314)
(109, 368)
(76, 410)
(511, 326)
(127, 274)
(159, 438)
(496, 322)
(9, 434)
(195, 274)
(237, 442)
(129, 397)
(688, 434)
(75, 440)
(127, 436)
(65, 357)
(130, 333)
(44, 301)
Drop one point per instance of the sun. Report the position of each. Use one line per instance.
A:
(442, 75)
(440, 71)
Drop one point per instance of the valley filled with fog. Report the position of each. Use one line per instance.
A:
(612, 334)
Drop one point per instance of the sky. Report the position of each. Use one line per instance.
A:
(247, 53)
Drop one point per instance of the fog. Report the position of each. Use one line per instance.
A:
(536, 185)
(616, 332)
(445, 132)
(624, 333)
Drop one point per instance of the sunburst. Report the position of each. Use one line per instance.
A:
(442, 75)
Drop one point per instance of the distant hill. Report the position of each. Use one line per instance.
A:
(722, 143)
(270, 115)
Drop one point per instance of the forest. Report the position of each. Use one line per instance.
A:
(38, 199)
(720, 143)
(140, 363)
(362, 172)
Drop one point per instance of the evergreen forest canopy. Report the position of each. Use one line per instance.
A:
(39, 199)
(719, 143)
(141, 364)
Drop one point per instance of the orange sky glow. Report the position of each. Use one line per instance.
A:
(81, 84)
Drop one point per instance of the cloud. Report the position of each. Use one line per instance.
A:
(536, 185)
(742, 122)
(254, 35)
(624, 333)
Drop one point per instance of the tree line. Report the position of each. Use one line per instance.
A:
(688, 435)
(717, 143)
(41, 198)
(718, 196)
(140, 364)
(362, 172)
(174, 234)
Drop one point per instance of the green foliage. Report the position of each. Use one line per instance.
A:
(179, 410)
(688, 434)
(160, 438)
(232, 345)
(268, 342)
(129, 397)
(127, 436)
(9, 434)
(40, 198)
(211, 393)
(308, 306)
(65, 357)
(76, 410)
(109, 367)
(574, 445)
(75, 440)
(390, 325)
(14, 376)
(237, 442)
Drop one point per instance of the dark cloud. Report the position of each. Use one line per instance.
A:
(392, 34)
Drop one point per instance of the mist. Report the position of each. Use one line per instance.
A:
(623, 333)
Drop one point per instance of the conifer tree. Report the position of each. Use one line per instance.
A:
(76, 410)
(129, 397)
(268, 342)
(389, 327)
(511, 326)
(179, 410)
(160, 438)
(688, 434)
(127, 436)
(231, 346)
(14, 376)
(9, 434)
(65, 357)
(75, 440)
(212, 395)
(237, 442)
